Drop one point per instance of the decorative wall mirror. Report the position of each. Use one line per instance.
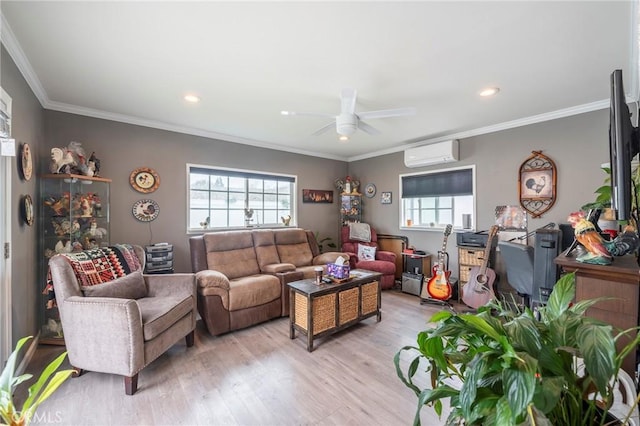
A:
(537, 184)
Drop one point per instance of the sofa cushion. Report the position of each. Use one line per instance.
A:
(161, 312)
(265, 247)
(293, 247)
(231, 253)
(254, 290)
(130, 286)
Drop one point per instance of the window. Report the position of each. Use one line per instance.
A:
(436, 199)
(229, 198)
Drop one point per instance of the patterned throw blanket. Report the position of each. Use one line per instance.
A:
(97, 266)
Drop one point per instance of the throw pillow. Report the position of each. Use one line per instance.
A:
(366, 252)
(130, 286)
(360, 232)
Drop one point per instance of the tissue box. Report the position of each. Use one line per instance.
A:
(338, 271)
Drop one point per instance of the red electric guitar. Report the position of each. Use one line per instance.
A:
(439, 287)
(478, 291)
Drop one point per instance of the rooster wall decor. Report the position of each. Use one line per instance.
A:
(537, 184)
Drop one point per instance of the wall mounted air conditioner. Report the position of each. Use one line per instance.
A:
(435, 153)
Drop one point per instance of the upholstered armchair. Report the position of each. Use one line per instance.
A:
(115, 319)
(366, 255)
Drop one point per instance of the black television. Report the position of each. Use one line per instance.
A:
(623, 146)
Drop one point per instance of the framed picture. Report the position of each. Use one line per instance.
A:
(385, 198)
(537, 184)
(317, 196)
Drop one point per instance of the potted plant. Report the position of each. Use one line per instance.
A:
(506, 366)
(42, 389)
(321, 242)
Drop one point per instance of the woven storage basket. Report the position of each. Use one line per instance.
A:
(323, 313)
(470, 257)
(369, 297)
(464, 273)
(348, 303)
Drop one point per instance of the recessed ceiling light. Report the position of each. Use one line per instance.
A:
(489, 91)
(343, 138)
(191, 98)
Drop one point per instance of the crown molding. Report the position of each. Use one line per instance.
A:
(122, 118)
(8, 39)
(553, 115)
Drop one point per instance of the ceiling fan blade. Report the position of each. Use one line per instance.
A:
(397, 112)
(367, 128)
(307, 114)
(348, 100)
(324, 128)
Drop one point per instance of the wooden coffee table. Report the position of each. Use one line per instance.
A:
(320, 310)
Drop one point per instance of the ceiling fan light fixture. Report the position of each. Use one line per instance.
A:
(489, 91)
(343, 138)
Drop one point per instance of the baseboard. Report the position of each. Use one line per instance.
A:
(28, 354)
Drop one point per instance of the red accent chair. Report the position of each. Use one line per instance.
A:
(385, 261)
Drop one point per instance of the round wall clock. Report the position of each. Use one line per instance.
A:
(26, 161)
(144, 179)
(370, 190)
(145, 210)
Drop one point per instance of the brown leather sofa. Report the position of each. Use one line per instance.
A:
(242, 275)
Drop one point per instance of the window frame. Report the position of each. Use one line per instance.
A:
(401, 213)
(250, 174)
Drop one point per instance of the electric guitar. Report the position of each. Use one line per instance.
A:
(439, 287)
(478, 291)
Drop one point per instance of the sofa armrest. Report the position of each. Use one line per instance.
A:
(209, 278)
(286, 278)
(387, 256)
(171, 284)
(276, 268)
(94, 326)
(329, 257)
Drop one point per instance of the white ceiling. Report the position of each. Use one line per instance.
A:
(134, 61)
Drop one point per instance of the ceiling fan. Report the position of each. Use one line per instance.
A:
(348, 121)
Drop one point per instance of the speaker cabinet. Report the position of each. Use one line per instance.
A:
(548, 245)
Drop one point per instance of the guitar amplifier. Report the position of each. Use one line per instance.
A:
(412, 283)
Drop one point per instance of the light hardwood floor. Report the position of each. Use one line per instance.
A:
(258, 376)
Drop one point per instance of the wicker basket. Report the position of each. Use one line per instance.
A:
(323, 312)
(470, 257)
(369, 297)
(348, 305)
(464, 273)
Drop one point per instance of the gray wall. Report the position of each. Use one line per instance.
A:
(578, 145)
(124, 147)
(28, 127)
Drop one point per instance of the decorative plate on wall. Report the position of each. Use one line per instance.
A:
(26, 161)
(370, 190)
(145, 210)
(144, 179)
(27, 209)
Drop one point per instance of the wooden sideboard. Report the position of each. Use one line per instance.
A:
(621, 281)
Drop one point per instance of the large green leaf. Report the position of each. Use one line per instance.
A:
(518, 386)
(547, 393)
(504, 414)
(562, 295)
(6, 378)
(596, 344)
(523, 333)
